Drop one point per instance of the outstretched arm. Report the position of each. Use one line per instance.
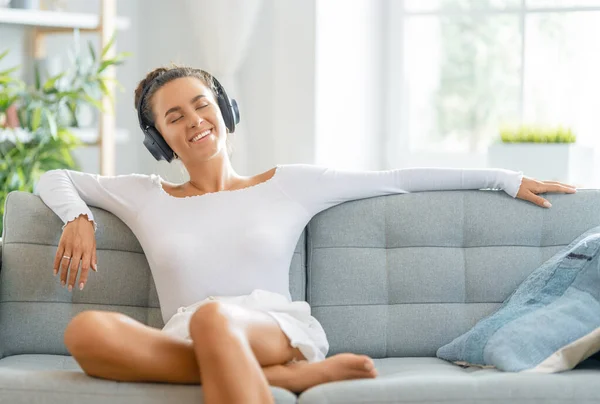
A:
(318, 188)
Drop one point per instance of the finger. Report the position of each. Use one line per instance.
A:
(86, 260)
(64, 266)
(538, 200)
(59, 253)
(562, 188)
(94, 261)
(73, 269)
(560, 183)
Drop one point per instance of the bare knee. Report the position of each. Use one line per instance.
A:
(210, 322)
(87, 330)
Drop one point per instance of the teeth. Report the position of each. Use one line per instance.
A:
(200, 135)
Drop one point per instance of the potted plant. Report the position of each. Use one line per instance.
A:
(546, 152)
(35, 120)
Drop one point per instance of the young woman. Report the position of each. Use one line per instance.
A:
(219, 247)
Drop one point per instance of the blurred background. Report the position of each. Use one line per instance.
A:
(361, 84)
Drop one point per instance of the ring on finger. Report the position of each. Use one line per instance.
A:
(66, 256)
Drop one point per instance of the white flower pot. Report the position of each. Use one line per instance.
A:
(570, 163)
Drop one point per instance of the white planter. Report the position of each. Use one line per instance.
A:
(564, 162)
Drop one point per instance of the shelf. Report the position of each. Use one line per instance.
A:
(43, 23)
(55, 19)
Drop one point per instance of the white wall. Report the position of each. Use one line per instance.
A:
(11, 38)
(350, 117)
(277, 82)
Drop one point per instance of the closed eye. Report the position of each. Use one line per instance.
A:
(202, 106)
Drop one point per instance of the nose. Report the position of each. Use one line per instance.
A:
(195, 121)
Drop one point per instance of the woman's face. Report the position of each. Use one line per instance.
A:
(184, 108)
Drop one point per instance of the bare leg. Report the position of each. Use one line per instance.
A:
(113, 346)
(231, 373)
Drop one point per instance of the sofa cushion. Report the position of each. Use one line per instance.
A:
(403, 275)
(26, 379)
(549, 324)
(435, 381)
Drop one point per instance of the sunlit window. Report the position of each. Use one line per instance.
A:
(473, 66)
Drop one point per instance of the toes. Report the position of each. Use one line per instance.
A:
(368, 363)
(364, 374)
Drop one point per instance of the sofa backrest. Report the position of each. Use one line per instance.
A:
(404, 274)
(35, 309)
(396, 275)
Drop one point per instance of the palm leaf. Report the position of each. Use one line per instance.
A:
(109, 44)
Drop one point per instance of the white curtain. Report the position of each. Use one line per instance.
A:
(220, 29)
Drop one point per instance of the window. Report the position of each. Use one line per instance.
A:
(462, 69)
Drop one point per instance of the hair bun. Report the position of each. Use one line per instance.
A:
(145, 81)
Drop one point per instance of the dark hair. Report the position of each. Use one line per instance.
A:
(163, 75)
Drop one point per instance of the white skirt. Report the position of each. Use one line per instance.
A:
(302, 329)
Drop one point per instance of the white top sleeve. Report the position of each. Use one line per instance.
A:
(68, 193)
(318, 188)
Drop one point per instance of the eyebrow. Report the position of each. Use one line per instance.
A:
(196, 98)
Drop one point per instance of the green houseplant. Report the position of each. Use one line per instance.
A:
(548, 152)
(537, 134)
(35, 119)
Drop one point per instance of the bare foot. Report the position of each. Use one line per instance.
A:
(301, 376)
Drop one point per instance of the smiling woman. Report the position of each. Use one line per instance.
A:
(220, 259)
(208, 90)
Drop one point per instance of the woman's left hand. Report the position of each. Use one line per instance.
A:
(530, 187)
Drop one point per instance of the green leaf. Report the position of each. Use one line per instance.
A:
(6, 80)
(94, 102)
(123, 55)
(36, 119)
(105, 64)
(38, 81)
(115, 81)
(51, 123)
(4, 54)
(51, 81)
(51, 163)
(17, 179)
(92, 52)
(9, 71)
(67, 94)
(103, 87)
(107, 93)
(73, 109)
(109, 44)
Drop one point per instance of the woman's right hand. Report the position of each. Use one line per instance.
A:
(78, 242)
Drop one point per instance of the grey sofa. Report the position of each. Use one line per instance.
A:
(394, 277)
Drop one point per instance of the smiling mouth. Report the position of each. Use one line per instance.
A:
(201, 136)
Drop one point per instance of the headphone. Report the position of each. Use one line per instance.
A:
(154, 141)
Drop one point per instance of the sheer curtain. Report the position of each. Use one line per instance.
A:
(221, 30)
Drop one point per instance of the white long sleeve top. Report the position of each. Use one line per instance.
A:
(229, 243)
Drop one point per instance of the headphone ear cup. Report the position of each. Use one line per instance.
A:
(226, 112)
(236, 111)
(156, 145)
